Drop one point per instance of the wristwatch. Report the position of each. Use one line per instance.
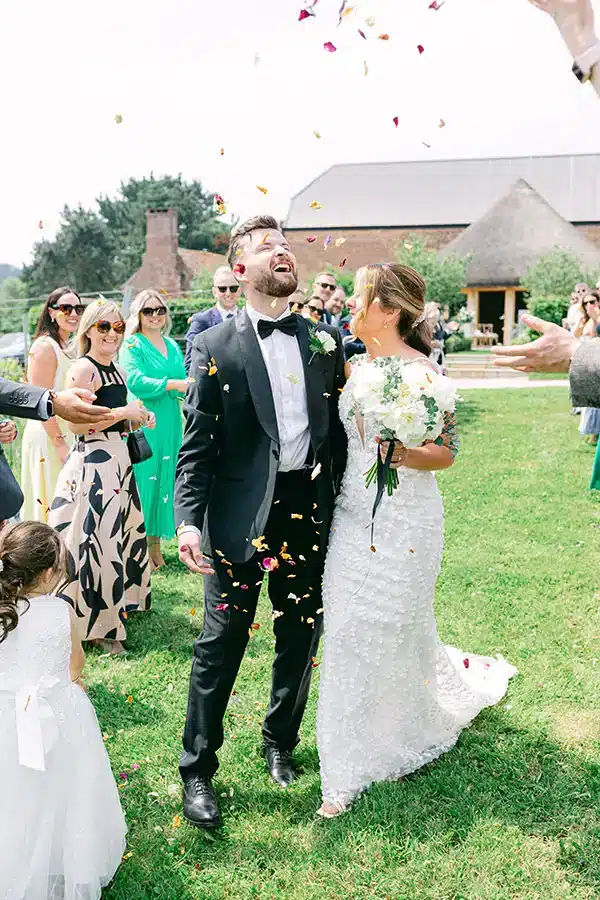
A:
(50, 403)
(583, 66)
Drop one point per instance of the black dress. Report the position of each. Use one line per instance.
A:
(97, 510)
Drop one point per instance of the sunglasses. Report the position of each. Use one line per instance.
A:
(324, 284)
(589, 302)
(104, 327)
(315, 310)
(154, 311)
(234, 288)
(68, 309)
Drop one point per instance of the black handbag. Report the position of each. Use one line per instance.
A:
(138, 446)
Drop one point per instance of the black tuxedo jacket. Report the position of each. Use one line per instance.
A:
(22, 401)
(229, 458)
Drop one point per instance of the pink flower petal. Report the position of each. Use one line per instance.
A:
(395, 121)
(331, 48)
(421, 48)
(304, 14)
(362, 34)
(466, 663)
(311, 239)
(221, 607)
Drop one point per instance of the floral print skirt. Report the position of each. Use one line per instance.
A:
(97, 511)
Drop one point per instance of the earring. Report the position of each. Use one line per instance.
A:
(385, 324)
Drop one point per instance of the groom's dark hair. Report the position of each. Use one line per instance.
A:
(246, 228)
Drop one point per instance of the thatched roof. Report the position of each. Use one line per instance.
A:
(512, 236)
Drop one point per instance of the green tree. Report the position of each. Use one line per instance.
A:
(13, 292)
(13, 289)
(199, 228)
(82, 255)
(445, 277)
(555, 274)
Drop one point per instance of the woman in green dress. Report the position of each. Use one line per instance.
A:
(156, 375)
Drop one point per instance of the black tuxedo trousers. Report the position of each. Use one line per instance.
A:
(291, 552)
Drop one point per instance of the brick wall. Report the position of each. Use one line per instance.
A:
(362, 245)
(162, 266)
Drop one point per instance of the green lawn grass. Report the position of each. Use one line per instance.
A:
(512, 812)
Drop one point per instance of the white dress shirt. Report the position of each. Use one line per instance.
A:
(283, 361)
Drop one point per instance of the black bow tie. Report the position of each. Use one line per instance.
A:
(289, 325)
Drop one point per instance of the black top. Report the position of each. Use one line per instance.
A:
(112, 392)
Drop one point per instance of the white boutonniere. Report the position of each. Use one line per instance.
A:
(320, 342)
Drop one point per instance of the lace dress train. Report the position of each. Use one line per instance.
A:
(392, 697)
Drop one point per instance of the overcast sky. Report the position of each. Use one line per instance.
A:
(190, 77)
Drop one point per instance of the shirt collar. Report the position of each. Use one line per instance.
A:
(225, 312)
(256, 316)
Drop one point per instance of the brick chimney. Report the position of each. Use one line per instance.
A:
(162, 266)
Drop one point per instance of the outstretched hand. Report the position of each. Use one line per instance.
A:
(552, 352)
(75, 405)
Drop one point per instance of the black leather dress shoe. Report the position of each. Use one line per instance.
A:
(200, 802)
(281, 765)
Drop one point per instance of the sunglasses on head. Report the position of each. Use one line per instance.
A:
(324, 284)
(154, 311)
(315, 310)
(234, 288)
(104, 327)
(68, 308)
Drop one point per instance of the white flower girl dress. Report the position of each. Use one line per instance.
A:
(62, 830)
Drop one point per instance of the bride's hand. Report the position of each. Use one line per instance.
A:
(399, 455)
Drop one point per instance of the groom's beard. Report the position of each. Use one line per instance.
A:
(276, 285)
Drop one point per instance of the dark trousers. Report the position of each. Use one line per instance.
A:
(292, 557)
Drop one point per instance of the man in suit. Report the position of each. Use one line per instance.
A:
(226, 293)
(557, 351)
(262, 459)
(29, 402)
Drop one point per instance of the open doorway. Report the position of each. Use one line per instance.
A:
(491, 311)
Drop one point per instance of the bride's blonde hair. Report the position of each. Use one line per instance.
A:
(398, 289)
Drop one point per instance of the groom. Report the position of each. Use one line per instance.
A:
(262, 459)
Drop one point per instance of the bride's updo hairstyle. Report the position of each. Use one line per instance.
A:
(27, 551)
(398, 289)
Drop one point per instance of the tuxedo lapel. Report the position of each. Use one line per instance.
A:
(313, 377)
(257, 375)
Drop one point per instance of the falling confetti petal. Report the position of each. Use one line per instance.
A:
(296, 516)
(221, 607)
(466, 663)
(269, 564)
(383, 37)
(343, 263)
(292, 378)
(315, 205)
(304, 14)
(442, 124)
(222, 151)
(436, 5)
(263, 190)
(130, 699)
(226, 388)
(219, 205)
(193, 611)
(317, 135)
(366, 68)
(363, 35)
(40, 224)
(339, 241)
(331, 48)
(118, 118)
(370, 22)
(395, 120)
(421, 48)
(327, 241)
(311, 239)
(239, 268)
(425, 144)
(316, 471)
(255, 626)
(176, 821)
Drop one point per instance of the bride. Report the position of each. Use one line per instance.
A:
(392, 697)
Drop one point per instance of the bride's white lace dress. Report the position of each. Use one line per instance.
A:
(392, 697)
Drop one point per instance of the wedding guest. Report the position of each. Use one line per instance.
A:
(155, 371)
(324, 286)
(334, 307)
(226, 293)
(62, 829)
(46, 444)
(314, 309)
(575, 21)
(297, 301)
(575, 311)
(96, 506)
(353, 346)
(589, 323)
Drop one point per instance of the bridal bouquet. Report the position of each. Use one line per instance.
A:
(403, 402)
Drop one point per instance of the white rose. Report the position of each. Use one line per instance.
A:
(369, 382)
(326, 340)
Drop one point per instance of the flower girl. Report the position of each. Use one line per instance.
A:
(62, 831)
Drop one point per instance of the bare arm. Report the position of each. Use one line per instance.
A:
(41, 371)
(575, 21)
(85, 375)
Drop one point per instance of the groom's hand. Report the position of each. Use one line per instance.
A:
(190, 554)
